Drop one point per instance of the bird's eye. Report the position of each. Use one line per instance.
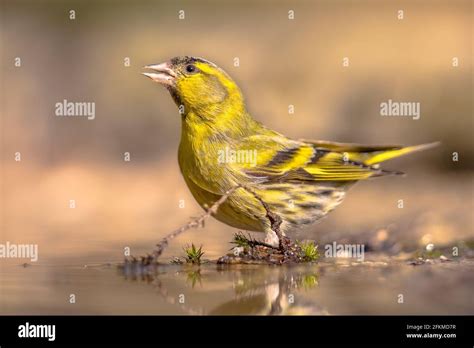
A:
(191, 68)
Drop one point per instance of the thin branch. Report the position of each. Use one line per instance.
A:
(249, 241)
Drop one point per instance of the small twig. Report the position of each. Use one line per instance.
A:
(254, 243)
(249, 241)
(195, 223)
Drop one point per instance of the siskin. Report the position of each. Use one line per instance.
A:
(276, 183)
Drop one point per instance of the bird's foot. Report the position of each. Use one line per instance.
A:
(285, 244)
(279, 242)
(272, 240)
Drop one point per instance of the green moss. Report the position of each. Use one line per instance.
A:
(309, 281)
(193, 254)
(194, 277)
(309, 251)
(240, 240)
(425, 254)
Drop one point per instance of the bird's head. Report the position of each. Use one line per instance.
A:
(197, 85)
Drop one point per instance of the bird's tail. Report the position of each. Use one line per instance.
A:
(378, 157)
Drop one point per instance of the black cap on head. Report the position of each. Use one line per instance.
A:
(184, 60)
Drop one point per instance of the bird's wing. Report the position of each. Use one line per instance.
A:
(282, 159)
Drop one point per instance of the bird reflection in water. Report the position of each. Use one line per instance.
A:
(256, 289)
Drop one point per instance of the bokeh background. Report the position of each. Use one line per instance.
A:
(282, 62)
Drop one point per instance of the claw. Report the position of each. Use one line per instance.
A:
(285, 244)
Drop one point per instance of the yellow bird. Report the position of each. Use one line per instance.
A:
(272, 184)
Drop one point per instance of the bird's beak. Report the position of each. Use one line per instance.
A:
(161, 73)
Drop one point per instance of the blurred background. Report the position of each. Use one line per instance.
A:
(299, 62)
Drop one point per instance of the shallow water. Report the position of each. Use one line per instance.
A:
(346, 287)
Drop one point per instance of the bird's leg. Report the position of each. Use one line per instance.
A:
(272, 239)
(284, 242)
(275, 222)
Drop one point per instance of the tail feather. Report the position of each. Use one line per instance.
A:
(390, 154)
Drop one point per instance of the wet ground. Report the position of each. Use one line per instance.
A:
(377, 285)
(80, 250)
